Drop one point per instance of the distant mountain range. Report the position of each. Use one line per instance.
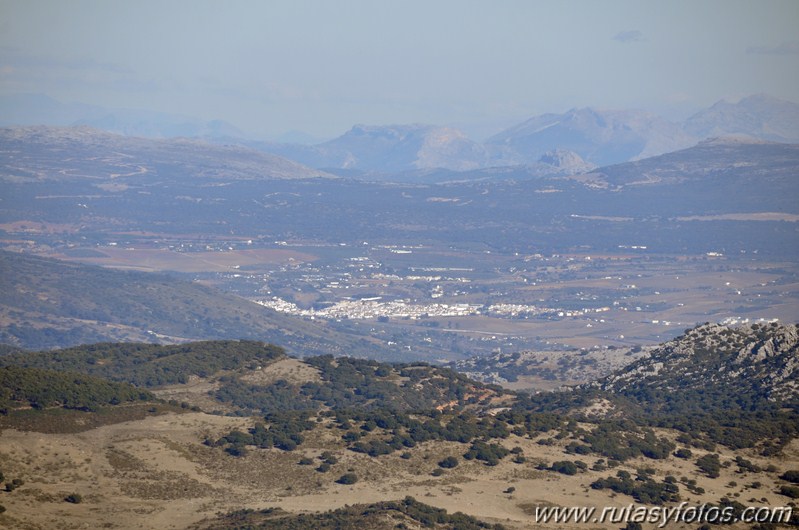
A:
(758, 116)
(39, 109)
(601, 137)
(577, 141)
(97, 182)
(391, 148)
(584, 138)
(144, 158)
(383, 152)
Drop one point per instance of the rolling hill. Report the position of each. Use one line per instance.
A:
(40, 109)
(378, 436)
(48, 303)
(718, 161)
(87, 154)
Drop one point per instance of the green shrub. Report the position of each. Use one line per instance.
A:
(348, 478)
(790, 491)
(74, 498)
(565, 467)
(791, 476)
(709, 465)
(449, 462)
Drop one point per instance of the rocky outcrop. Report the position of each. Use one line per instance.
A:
(759, 358)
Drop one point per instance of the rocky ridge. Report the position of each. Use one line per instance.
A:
(760, 358)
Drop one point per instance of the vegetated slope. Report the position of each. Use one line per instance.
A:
(611, 422)
(6, 349)
(38, 388)
(150, 365)
(402, 403)
(733, 385)
(542, 370)
(356, 439)
(243, 377)
(47, 303)
(749, 364)
(346, 383)
(407, 513)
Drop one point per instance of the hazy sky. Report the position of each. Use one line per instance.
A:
(321, 66)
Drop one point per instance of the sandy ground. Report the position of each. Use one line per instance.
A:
(155, 473)
(291, 370)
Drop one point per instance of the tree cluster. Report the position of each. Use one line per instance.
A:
(282, 430)
(151, 365)
(40, 389)
(642, 488)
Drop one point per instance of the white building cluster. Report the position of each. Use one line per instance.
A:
(371, 309)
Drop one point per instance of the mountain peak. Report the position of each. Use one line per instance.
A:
(599, 136)
(386, 131)
(392, 148)
(566, 160)
(759, 116)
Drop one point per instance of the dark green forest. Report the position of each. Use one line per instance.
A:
(151, 365)
(377, 516)
(40, 389)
